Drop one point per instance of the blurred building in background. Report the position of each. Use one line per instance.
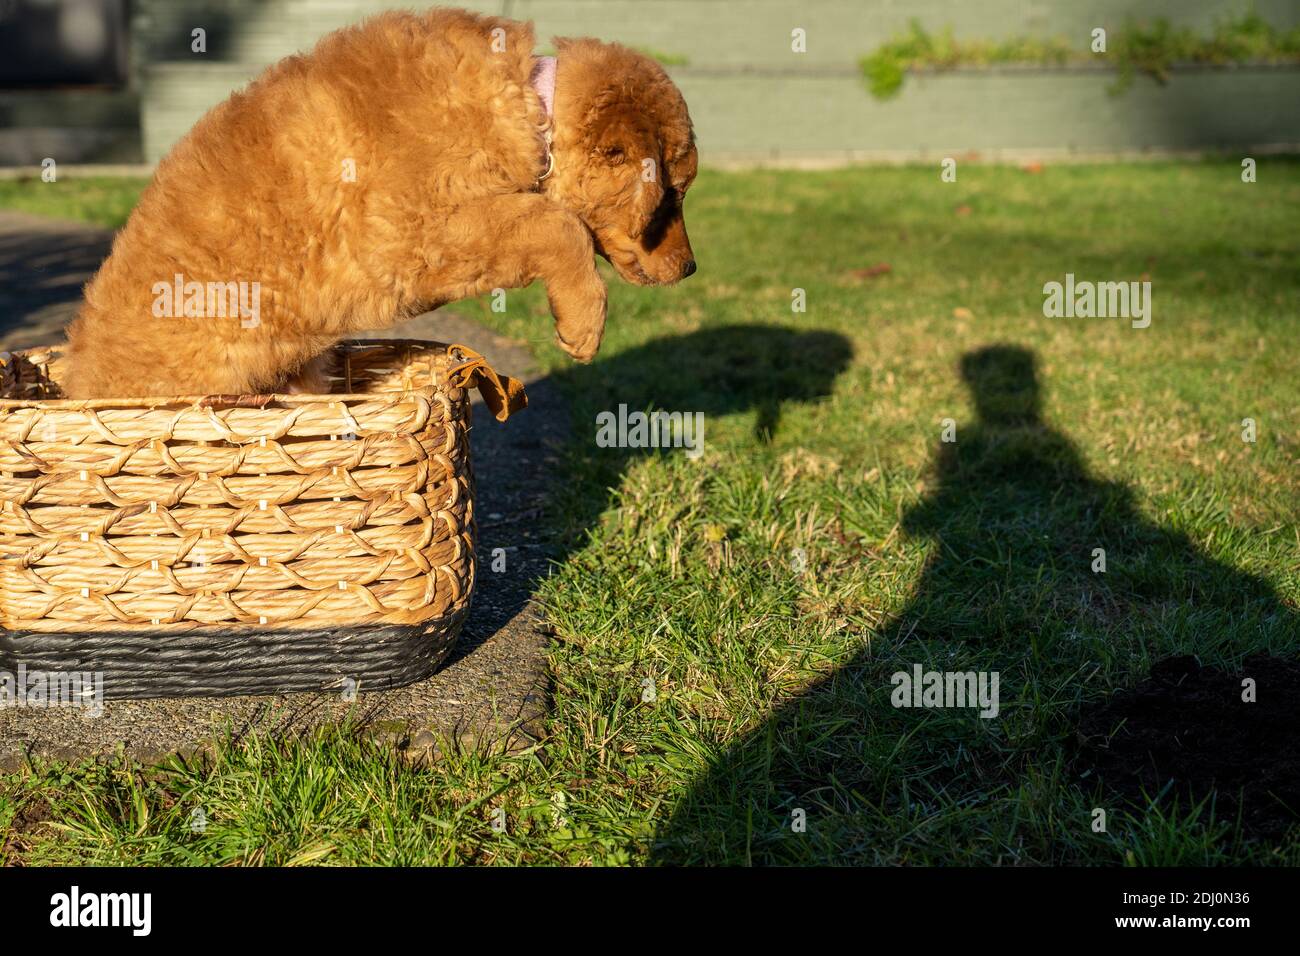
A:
(119, 81)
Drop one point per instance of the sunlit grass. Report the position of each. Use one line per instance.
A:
(823, 436)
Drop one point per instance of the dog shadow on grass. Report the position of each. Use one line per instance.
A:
(842, 775)
(718, 371)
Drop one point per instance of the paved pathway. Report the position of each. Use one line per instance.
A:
(493, 691)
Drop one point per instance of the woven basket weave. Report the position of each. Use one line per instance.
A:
(242, 544)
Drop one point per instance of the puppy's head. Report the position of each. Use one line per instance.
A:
(624, 157)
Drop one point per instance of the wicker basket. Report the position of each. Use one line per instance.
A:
(250, 544)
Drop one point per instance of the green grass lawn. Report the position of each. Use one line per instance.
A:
(105, 201)
(828, 538)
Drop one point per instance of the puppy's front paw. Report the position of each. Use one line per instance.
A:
(583, 351)
(580, 319)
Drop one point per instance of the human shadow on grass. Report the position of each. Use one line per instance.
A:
(1011, 588)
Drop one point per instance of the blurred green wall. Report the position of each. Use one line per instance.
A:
(752, 98)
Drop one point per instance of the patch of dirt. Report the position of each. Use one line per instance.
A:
(31, 815)
(1187, 727)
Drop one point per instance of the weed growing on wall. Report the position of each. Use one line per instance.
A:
(1149, 49)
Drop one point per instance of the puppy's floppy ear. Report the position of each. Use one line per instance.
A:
(624, 139)
(617, 138)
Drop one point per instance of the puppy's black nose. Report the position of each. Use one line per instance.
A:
(688, 269)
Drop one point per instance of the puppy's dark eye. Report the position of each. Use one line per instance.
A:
(613, 154)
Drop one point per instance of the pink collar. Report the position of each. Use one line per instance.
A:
(542, 80)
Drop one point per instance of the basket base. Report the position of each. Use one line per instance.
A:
(212, 662)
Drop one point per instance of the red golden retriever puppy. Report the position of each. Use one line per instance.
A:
(402, 164)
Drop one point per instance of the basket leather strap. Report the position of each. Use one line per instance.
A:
(502, 394)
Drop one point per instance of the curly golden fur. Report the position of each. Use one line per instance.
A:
(435, 116)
